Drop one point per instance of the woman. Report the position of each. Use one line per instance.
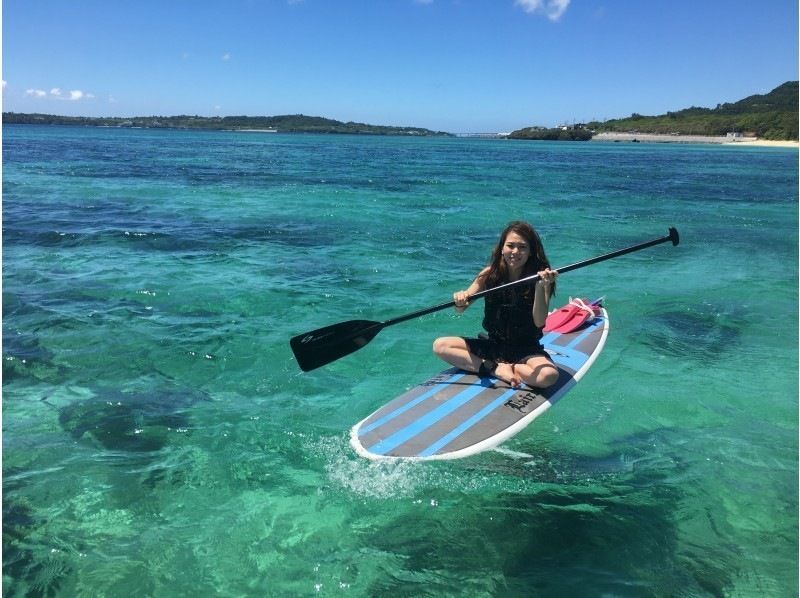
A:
(513, 317)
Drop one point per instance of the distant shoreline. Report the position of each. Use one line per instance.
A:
(287, 123)
(718, 140)
(607, 137)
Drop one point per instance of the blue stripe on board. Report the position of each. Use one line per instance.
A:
(549, 337)
(426, 421)
(567, 355)
(400, 410)
(568, 358)
(596, 323)
(463, 427)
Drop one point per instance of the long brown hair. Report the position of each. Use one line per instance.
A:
(498, 271)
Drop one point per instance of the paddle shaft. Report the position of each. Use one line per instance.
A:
(324, 345)
(672, 236)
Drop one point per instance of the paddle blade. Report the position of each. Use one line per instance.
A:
(324, 345)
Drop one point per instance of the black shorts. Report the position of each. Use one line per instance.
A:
(488, 348)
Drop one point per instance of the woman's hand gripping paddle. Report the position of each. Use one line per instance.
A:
(322, 346)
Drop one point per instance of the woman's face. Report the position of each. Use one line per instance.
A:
(516, 251)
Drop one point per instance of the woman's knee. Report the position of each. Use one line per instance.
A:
(543, 374)
(440, 346)
(444, 345)
(546, 377)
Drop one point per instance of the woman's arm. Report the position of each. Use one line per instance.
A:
(461, 298)
(541, 298)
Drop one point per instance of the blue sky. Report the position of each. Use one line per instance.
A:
(452, 65)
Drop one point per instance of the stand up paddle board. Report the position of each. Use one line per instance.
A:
(456, 414)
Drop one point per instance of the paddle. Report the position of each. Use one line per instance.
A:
(324, 345)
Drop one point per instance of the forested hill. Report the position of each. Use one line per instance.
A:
(296, 123)
(769, 116)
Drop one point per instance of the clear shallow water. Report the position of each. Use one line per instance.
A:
(158, 437)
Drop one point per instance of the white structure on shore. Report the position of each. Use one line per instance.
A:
(484, 135)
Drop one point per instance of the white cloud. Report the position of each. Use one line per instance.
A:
(58, 94)
(226, 56)
(553, 9)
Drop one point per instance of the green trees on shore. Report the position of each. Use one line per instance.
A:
(556, 134)
(294, 123)
(769, 116)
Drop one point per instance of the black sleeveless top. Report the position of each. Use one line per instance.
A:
(508, 316)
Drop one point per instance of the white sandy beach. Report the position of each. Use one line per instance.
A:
(767, 143)
(652, 138)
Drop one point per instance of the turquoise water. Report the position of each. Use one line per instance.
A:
(159, 439)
